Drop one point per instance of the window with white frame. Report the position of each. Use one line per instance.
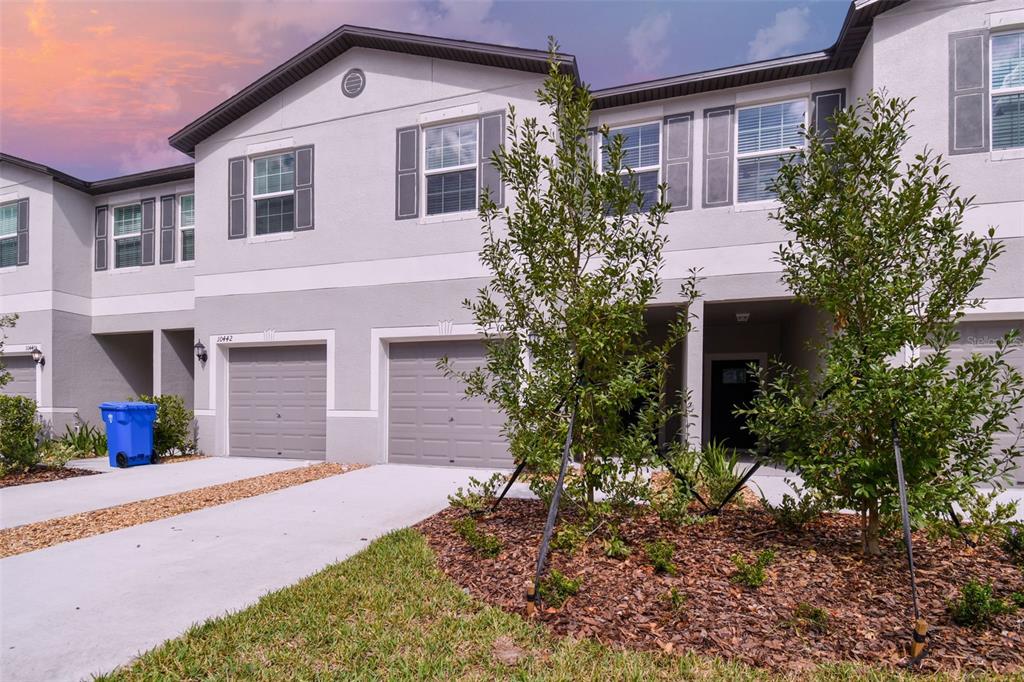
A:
(450, 164)
(9, 235)
(127, 236)
(187, 220)
(1007, 90)
(273, 192)
(641, 153)
(765, 136)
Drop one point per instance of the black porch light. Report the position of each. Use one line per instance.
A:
(38, 357)
(200, 351)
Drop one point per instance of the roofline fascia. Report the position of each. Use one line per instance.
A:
(107, 185)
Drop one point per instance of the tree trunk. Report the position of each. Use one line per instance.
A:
(870, 529)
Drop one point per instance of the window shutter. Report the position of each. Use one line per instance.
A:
(167, 224)
(718, 153)
(407, 181)
(148, 231)
(492, 138)
(968, 92)
(236, 197)
(22, 232)
(826, 104)
(101, 238)
(677, 160)
(304, 188)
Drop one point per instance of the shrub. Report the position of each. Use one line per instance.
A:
(56, 453)
(676, 600)
(616, 548)
(483, 543)
(478, 494)
(660, 553)
(809, 617)
(717, 470)
(977, 606)
(672, 504)
(85, 439)
(1013, 542)
(19, 431)
(569, 538)
(556, 588)
(173, 428)
(751, 574)
(1017, 599)
(797, 510)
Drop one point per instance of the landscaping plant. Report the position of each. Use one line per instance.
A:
(977, 606)
(573, 264)
(6, 322)
(1013, 542)
(717, 472)
(797, 510)
(85, 439)
(751, 574)
(660, 553)
(19, 433)
(172, 431)
(616, 548)
(478, 495)
(879, 247)
(569, 538)
(809, 617)
(484, 543)
(557, 587)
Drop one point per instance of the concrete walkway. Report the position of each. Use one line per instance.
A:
(85, 607)
(40, 501)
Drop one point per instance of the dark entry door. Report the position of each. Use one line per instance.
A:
(732, 386)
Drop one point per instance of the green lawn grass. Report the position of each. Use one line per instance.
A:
(388, 613)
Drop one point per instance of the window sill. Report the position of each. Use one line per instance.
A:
(447, 217)
(125, 271)
(185, 263)
(8, 268)
(1006, 154)
(745, 206)
(275, 237)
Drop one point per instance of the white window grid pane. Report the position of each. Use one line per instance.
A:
(127, 220)
(188, 210)
(641, 146)
(754, 175)
(450, 146)
(275, 215)
(8, 220)
(451, 192)
(8, 252)
(188, 245)
(1008, 121)
(273, 174)
(127, 252)
(770, 127)
(1008, 61)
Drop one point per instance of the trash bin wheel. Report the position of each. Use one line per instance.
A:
(122, 460)
(153, 458)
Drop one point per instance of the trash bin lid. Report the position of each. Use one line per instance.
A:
(127, 406)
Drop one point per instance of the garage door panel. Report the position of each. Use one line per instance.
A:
(23, 376)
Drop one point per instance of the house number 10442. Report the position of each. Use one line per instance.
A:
(225, 339)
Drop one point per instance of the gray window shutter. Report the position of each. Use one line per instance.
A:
(148, 231)
(304, 188)
(968, 92)
(407, 180)
(492, 138)
(677, 160)
(101, 238)
(22, 232)
(236, 197)
(718, 161)
(825, 104)
(168, 221)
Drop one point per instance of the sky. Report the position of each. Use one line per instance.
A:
(95, 88)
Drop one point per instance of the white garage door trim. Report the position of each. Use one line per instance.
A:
(218, 369)
(26, 349)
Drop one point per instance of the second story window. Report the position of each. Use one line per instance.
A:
(187, 215)
(273, 191)
(8, 235)
(450, 161)
(641, 153)
(127, 236)
(765, 136)
(1008, 90)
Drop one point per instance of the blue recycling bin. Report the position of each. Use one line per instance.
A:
(129, 433)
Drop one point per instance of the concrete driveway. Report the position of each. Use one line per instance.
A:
(85, 607)
(40, 501)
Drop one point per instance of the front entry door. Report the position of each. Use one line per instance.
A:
(732, 386)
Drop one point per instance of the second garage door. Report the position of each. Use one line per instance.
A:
(23, 376)
(429, 420)
(278, 402)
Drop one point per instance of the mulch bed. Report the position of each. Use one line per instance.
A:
(41, 474)
(868, 599)
(33, 536)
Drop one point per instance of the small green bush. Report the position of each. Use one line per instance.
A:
(478, 495)
(1013, 542)
(85, 439)
(483, 543)
(676, 600)
(977, 606)
(795, 511)
(752, 574)
(19, 432)
(809, 617)
(556, 588)
(717, 465)
(56, 453)
(672, 504)
(1017, 599)
(660, 553)
(616, 548)
(172, 432)
(570, 537)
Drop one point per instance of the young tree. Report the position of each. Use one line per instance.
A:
(574, 264)
(6, 322)
(877, 246)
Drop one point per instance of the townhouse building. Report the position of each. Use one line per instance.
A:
(299, 281)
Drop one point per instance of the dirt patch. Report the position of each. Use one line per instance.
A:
(179, 458)
(700, 609)
(33, 536)
(41, 474)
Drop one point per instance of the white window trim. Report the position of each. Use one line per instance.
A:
(1008, 152)
(426, 218)
(760, 204)
(641, 169)
(253, 197)
(14, 235)
(182, 228)
(115, 238)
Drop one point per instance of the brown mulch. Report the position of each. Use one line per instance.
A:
(33, 536)
(180, 458)
(868, 599)
(41, 474)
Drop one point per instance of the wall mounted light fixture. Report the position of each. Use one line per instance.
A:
(38, 357)
(200, 351)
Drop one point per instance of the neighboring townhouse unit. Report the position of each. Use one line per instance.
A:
(318, 259)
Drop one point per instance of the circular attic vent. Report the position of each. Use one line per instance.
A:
(353, 82)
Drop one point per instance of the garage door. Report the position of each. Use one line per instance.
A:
(429, 419)
(23, 376)
(277, 401)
